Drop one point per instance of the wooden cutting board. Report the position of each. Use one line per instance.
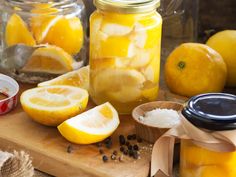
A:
(49, 150)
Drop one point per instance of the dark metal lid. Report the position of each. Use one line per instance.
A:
(214, 111)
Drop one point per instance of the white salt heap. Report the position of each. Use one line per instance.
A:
(162, 118)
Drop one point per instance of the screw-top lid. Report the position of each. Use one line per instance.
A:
(127, 6)
(216, 111)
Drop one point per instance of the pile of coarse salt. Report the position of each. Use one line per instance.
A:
(162, 118)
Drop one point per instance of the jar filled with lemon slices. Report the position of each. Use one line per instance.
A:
(125, 42)
(42, 39)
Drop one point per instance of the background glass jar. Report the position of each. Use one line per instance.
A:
(211, 112)
(125, 42)
(42, 39)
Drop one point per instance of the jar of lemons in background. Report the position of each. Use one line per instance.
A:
(125, 42)
(42, 39)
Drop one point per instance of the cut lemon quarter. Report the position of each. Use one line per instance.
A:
(52, 105)
(17, 32)
(77, 78)
(92, 126)
(49, 59)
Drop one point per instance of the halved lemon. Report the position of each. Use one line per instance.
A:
(49, 59)
(52, 105)
(17, 32)
(77, 78)
(92, 126)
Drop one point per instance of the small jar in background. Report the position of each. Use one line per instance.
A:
(125, 43)
(211, 112)
(42, 39)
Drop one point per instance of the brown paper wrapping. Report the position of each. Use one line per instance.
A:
(16, 164)
(162, 154)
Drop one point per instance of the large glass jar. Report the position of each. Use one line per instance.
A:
(42, 39)
(125, 42)
(211, 112)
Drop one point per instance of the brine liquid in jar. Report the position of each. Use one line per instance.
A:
(125, 42)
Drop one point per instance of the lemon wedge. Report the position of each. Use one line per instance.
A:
(77, 78)
(17, 32)
(52, 105)
(49, 59)
(92, 126)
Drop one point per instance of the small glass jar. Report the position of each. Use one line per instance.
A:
(212, 112)
(125, 43)
(42, 39)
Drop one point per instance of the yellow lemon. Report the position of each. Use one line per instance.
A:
(114, 79)
(49, 59)
(42, 21)
(51, 105)
(193, 69)
(67, 33)
(17, 32)
(92, 126)
(77, 78)
(225, 43)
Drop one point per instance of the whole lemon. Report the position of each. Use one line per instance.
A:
(225, 43)
(193, 69)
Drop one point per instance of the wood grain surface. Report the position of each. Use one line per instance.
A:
(48, 148)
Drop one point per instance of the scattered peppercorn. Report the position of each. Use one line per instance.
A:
(130, 147)
(127, 143)
(139, 140)
(122, 149)
(126, 152)
(115, 152)
(122, 140)
(104, 158)
(108, 140)
(129, 137)
(135, 147)
(113, 157)
(101, 151)
(69, 149)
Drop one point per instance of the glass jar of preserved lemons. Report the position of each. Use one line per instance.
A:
(41, 39)
(211, 112)
(125, 42)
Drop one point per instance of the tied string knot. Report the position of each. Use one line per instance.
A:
(163, 149)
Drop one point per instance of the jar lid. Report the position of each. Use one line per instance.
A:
(127, 6)
(215, 111)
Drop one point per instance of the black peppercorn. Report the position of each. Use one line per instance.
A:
(104, 158)
(113, 157)
(115, 152)
(126, 152)
(129, 137)
(135, 147)
(127, 143)
(122, 140)
(130, 147)
(69, 149)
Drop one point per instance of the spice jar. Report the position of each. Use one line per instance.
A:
(42, 39)
(125, 42)
(211, 112)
